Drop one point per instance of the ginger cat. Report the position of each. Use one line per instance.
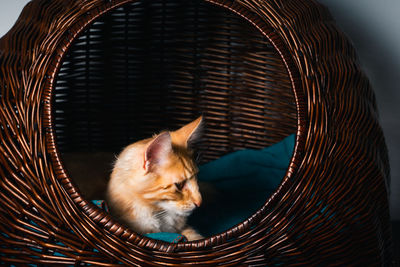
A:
(153, 186)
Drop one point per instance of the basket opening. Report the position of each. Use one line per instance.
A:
(154, 65)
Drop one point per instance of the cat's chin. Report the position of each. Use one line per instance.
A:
(173, 209)
(184, 213)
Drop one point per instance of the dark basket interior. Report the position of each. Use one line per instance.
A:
(153, 65)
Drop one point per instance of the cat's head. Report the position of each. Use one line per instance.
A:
(170, 172)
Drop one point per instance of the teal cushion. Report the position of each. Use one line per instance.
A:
(241, 182)
(167, 237)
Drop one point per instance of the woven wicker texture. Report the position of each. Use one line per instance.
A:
(93, 75)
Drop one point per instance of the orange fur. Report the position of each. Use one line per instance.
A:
(153, 185)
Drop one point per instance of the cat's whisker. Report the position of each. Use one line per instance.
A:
(198, 158)
(161, 214)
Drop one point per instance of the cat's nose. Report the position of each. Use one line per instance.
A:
(197, 202)
(196, 198)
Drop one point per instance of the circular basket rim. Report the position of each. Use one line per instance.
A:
(107, 222)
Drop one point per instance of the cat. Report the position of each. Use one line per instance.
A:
(153, 185)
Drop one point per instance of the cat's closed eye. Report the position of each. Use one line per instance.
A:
(180, 185)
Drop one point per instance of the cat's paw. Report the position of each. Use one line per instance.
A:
(191, 234)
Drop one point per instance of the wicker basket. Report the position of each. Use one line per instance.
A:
(94, 75)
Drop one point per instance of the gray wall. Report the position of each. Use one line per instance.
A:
(9, 13)
(374, 28)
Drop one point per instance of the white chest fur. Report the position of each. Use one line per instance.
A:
(148, 221)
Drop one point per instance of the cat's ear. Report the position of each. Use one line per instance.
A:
(157, 152)
(188, 133)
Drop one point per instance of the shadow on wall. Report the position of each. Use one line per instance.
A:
(374, 28)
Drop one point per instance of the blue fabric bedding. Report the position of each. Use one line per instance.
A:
(242, 182)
